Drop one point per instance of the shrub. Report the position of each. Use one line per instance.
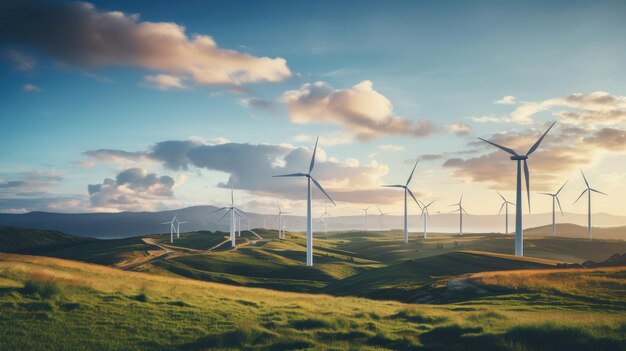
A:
(44, 288)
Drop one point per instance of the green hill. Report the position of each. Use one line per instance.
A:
(14, 239)
(56, 304)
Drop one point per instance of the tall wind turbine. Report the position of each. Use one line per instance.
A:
(426, 217)
(406, 190)
(588, 191)
(461, 210)
(519, 234)
(232, 210)
(505, 205)
(365, 217)
(324, 217)
(178, 223)
(281, 235)
(555, 199)
(309, 219)
(380, 218)
(172, 228)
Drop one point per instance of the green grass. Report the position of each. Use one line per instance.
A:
(25, 240)
(102, 308)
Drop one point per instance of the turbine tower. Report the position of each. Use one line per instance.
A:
(505, 205)
(232, 210)
(461, 210)
(555, 200)
(309, 219)
(365, 217)
(406, 190)
(172, 228)
(178, 223)
(324, 217)
(280, 221)
(519, 234)
(380, 218)
(426, 217)
(588, 191)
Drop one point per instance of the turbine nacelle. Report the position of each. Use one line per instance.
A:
(519, 157)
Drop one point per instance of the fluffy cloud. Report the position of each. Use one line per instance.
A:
(251, 167)
(391, 147)
(32, 191)
(506, 100)
(360, 110)
(78, 34)
(459, 128)
(31, 88)
(164, 82)
(132, 189)
(256, 103)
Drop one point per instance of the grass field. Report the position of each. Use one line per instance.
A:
(57, 304)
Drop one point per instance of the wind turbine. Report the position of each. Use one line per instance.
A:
(461, 210)
(588, 190)
(505, 204)
(324, 217)
(555, 198)
(365, 217)
(309, 220)
(519, 234)
(172, 228)
(178, 223)
(426, 217)
(280, 221)
(380, 217)
(406, 190)
(232, 210)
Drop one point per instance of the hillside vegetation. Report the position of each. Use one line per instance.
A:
(13, 239)
(56, 304)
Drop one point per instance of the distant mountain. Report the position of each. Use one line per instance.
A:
(14, 239)
(128, 224)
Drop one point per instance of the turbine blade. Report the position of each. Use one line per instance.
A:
(548, 194)
(465, 211)
(232, 195)
(322, 189)
(219, 209)
(292, 175)
(379, 211)
(458, 209)
(240, 212)
(413, 196)
(585, 178)
(503, 199)
(581, 195)
(598, 191)
(225, 214)
(392, 186)
(313, 158)
(501, 207)
(527, 176)
(413, 171)
(166, 222)
(430, 203)
(536, 145)
(561, 188)
(559, 203)
(461, 199)
(510, 151)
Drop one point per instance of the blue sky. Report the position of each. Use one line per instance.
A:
(442, 62)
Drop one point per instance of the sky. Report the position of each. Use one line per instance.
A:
(152, 105)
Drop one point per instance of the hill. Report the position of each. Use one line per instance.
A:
(14, 239)
(570, 230)
(56, 304)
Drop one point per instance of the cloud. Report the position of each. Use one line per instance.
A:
(31, 191)
(114, 156)
(133, 189)
(31, 88)
(430, 157)
(506, 100)
(256, 103)
(360, 110)
(164, 82)
(391, 147)
(77, 34)
(459, 128)
(21, 61)
(335, 138)
(608, 138)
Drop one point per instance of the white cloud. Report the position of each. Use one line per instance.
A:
(391, 147)
(459, 128)
(164, 82)
(506, 100)
(31, 88)
(21, 61)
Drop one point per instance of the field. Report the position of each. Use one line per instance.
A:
(367, 291)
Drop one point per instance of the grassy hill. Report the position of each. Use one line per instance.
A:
(576, 231)
(56, 304)
(13, 239)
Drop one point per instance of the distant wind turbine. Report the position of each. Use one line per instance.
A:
(406, 190)
(232, 210)
(426, 217)
(365, 217)
(519, 234)
(381, 218)
(505, 205)
(555, 200)
(324, 217)
(588, 191)
(309, 219)
(281, 235)
(172, 228)
(461, 210)
(178, 223)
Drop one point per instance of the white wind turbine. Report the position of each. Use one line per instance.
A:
(406, 190)
(365, 217)
(178, 223)
(505, 204)
(324, 217)
(426, 217)
(309, 219)
(519, 234)
(555, 201)
(281, 235)
(461, 210)
(380, 217)
(233, 211)
(588, 191)
(172, 228)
